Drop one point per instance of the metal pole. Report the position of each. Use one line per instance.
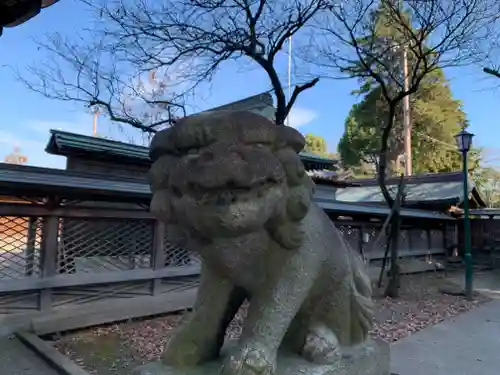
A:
(94, 127)
(406, 107)
(406, 117)
(289, 75)
(467, 239)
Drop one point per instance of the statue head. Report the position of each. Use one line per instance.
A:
(229, 173)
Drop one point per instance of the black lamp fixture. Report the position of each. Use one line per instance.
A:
(16, 12)
(464, 141)
(464, 144)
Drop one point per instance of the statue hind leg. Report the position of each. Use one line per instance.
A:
(341, 319)
(310, 336)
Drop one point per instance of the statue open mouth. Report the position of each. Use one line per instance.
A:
(228, 194)
(228, 208)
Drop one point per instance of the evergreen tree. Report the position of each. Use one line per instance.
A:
(435, 117)
(316, 145)
(487, 179)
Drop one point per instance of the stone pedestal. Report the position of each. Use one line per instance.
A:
(371, 359)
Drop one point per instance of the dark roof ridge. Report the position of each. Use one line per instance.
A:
(57, 146)
(264, 98)
(438, 177)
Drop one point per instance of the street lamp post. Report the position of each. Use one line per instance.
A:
(464, 143)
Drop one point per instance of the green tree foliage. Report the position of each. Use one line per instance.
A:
(376, 121)
(316, 144)
(359, 143)
(487, 179)
(435, 117)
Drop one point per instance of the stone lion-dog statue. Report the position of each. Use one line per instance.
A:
(233, 180)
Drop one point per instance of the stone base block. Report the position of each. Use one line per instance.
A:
(371, 359)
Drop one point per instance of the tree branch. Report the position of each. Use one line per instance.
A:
(211, 33)
(296, 91)
(492, 72)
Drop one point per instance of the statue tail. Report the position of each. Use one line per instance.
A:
(361, 302)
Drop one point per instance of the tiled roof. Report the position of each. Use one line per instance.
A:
(35, 181)
(446, 187)
(68, 144)
(330, 177)
(415, 179)
(39, 182)
(256, 102)
(437, 187)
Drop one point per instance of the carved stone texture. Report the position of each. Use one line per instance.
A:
(234, 183)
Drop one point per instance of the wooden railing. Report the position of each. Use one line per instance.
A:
(48, 250)
(413, 241)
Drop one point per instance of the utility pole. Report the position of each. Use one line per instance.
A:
(96, 115)
(406, 108)
(406, 117)
(289, 75)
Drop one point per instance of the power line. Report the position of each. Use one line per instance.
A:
(438, 141)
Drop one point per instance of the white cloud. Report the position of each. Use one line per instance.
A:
(301, 116)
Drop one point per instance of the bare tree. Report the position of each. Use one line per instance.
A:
(205, 34)
(83, 70)
(491, 63)
(366, 39)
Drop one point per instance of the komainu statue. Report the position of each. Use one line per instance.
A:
(234, 182)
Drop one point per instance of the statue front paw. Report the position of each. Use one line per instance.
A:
(250, 360)
(321, 346)
(184, 350)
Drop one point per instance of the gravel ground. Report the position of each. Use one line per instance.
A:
(117, 348)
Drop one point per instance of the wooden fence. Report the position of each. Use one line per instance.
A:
(414, 241)
(67, 254)
(485, 239)
(73, 255)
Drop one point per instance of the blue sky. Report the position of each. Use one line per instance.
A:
(27, 117)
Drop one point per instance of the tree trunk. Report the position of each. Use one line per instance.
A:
(392, 244)
(392, 289)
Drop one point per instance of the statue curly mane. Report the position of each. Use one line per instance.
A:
(192, 138)
(287, 229)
